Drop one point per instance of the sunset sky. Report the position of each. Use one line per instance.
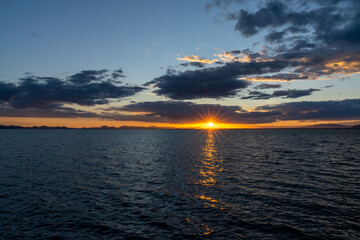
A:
(170, 63)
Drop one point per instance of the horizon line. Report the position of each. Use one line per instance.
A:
(126, 127)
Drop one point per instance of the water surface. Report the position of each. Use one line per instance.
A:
(179, 184)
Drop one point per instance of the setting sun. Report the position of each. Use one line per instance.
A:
(210, 125)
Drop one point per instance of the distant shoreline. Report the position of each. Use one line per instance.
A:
(315, 127)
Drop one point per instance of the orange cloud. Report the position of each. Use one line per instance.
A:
(195, 58)
(344, 67)
(228, 57)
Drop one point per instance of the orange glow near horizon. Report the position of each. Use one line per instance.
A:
(209, 125)
(217, 124)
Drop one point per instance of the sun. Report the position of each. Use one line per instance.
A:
(209, 125)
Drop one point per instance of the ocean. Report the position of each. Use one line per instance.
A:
(179, 184)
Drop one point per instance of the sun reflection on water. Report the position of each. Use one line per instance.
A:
(211, 164)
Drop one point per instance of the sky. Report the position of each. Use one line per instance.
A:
(183, 64)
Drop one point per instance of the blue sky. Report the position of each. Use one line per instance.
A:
(144, 39)
(56, 37)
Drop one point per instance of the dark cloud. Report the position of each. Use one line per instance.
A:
(275, 36)
(88, 76)
(176, 111)
(301, 43)
(297, 29)
(7, 91)
(283, 77)
(51, 111)
(234, 52)
(118, 74)
(278, 13)
(267, 86)
(170, 71)
(322, 36)
(221, 3)
(86, 88)
(251, 23)
(257, 95)
(187, 112)
(294, 93)
(306, 40)
(323, 61)
(290, 93)
(215, 82)
(194, 64)
(348, 109)
(59, 111)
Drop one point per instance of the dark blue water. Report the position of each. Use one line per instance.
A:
(179, 184)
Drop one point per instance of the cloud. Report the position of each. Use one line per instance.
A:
(195, 58)
(275, 36)
(118, 74)
(86, 88)
(8, 90)
(294, 93)
(51, 111)
(161, 111)
(87, 76)
(231, 56)
(322, 36)
(267, 86)
(290, 93)
(193, 64)
(221, 3)
(348, 109)
(215, 82)
(277, 14)
(187, 112)
(245, 55)
(234, 52)
(281, 77)
(59, 111)
(177, 111)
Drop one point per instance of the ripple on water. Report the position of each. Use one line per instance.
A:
(183, 184)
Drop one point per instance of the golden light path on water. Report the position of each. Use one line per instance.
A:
(210, 161)
(210, 166)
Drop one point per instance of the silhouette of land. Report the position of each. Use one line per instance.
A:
(317, 126)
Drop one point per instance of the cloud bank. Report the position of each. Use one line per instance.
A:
(215, 82)
(87, 88)
(187, 112)
(289, 93)
(305, 40)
